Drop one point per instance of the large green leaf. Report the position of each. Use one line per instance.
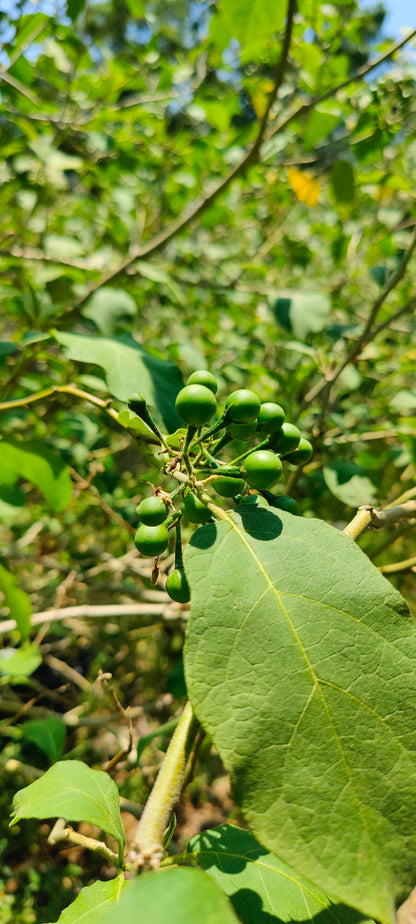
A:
(128, 369)
(178, 896)
(263, 889)
(92, 901)
(33, 461)
(107, 306)
(300, 662)
(73, 791)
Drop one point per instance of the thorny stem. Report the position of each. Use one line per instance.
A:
(147, 845)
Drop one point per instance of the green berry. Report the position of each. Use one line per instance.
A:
(284, 502)
(271, 417)
(229, 487)
(151, 540)
(195, 405)
(286, 439)
(177, 586)
(262, 468)
(302, 453)
(203, 377)
(152, 511)
(241, 431)
(194, 510)
(242, 406)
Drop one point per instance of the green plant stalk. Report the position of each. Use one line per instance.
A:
(147, 846)
(178, 547)
(263, 445)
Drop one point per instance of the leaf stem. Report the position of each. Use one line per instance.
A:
(147, 846)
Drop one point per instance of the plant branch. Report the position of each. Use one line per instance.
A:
(407, 565)
(63, 832)
(147, 845)
(91, 612)
(368, 516)
(63, 390)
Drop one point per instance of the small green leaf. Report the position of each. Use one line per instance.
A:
(177, 895)
(48, 734)
(107, 306)
(92, 901)
(32, 460)
(129, 369)
(6, 349)
(73, 791)
(342, 181)
(74, 8)
(346, 481)
(321, 122)
(302, 313)
(251, 22)
(261, 887)
(21, 663)
(18, 602)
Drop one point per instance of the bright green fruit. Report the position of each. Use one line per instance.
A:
(203, 377)
(284, 502)
(286, 439)
(177, 586)
(194, 510)
(229, 487)
(241, 431)
(271, 417)
(151, 540)
(152, 511)
(242, 406)
(302, 453)
(195, 405)
(262, 469)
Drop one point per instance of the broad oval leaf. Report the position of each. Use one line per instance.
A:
(48, 734)
(302, 313)
(18, 602)
(347, 482)
(261, 887)
(129, 369)
(73, 791)
(178, 895)
(300, 661)
(92, 901)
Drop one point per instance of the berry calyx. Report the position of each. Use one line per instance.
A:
(195, 405)
(262, 468)
(242, 406)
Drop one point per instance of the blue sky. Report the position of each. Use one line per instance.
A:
(401, 13)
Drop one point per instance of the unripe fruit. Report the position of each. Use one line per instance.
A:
(242, 406)
(177, 586)
(229, 487)
(151, 540)
(194, 510)
(302, 453)
(195, 405)
(152, 511)
(271, 417)
(203, 377)
(241, 431)
(286, 439)
(262, 468)
(284, 502)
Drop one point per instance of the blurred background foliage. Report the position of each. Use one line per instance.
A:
(155, 204)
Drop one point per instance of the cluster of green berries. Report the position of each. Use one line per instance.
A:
(258, 468)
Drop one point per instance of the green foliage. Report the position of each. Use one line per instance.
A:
(183, 190)
(74, 791)
(307, 727)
